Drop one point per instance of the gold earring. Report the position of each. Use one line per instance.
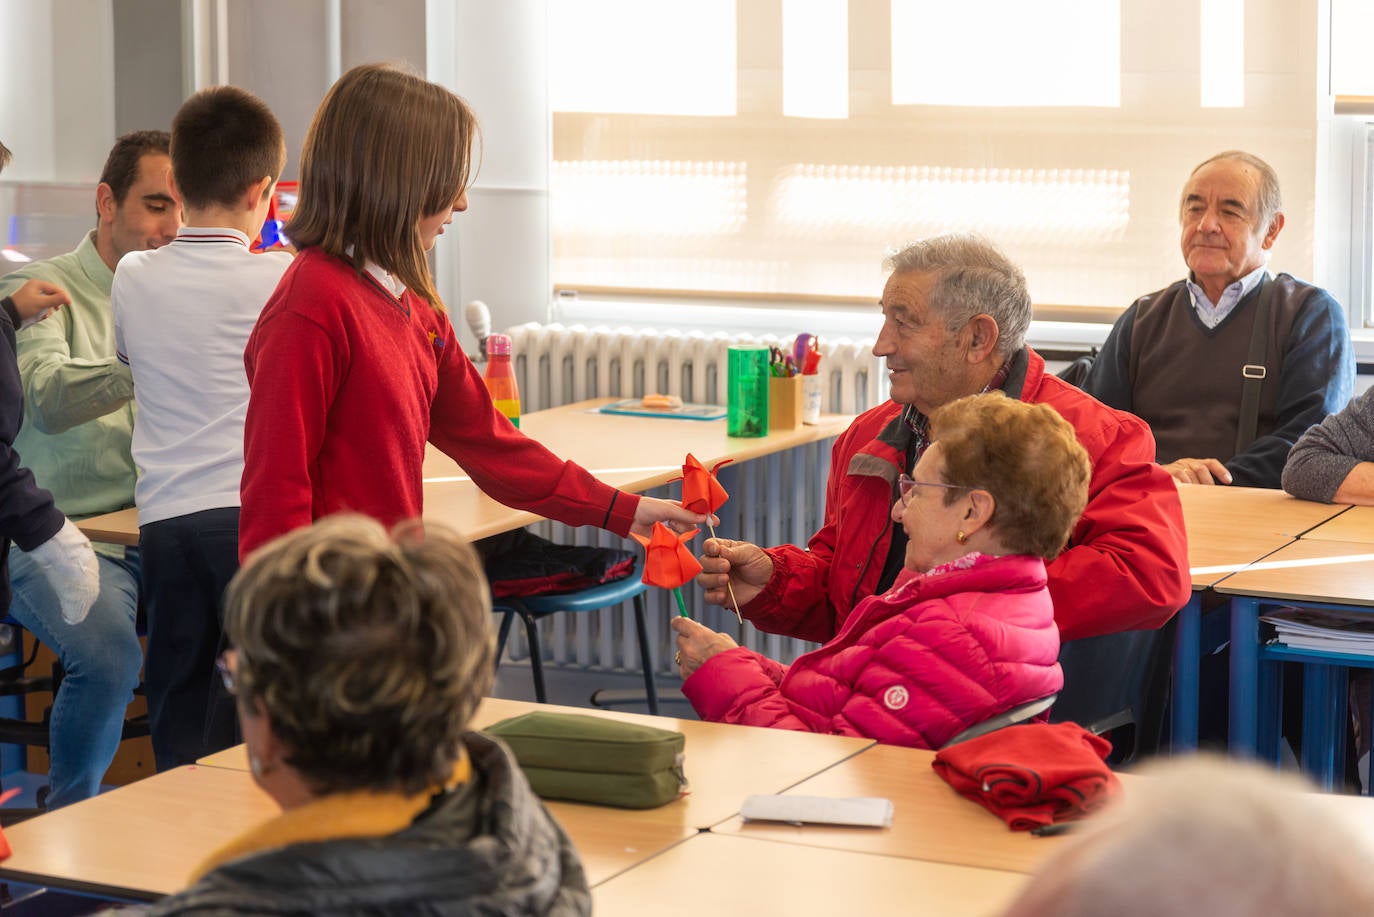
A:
(961, 537)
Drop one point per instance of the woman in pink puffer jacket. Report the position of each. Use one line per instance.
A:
(966, 632)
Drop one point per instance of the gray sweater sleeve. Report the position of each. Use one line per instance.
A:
(1326, 453)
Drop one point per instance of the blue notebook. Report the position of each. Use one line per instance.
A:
(635, 408)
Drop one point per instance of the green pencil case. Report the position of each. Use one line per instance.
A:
(596, 760)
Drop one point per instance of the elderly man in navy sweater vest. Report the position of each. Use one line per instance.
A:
(1179, 358)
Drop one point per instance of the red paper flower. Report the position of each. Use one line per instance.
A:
(701, 492)
(667, 562)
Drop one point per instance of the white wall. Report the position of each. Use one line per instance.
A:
(495, 56)
(57, 109)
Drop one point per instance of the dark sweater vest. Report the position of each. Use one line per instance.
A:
(1186, 378)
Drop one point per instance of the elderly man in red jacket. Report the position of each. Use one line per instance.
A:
(955, 315)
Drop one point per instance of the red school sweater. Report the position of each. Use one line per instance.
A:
(348, 383)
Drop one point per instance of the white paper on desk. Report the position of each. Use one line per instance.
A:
(865, 811)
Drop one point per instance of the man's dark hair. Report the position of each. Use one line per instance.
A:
(223, 140)
(4, 156)
(121, 167)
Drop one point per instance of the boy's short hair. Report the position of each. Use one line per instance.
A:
(223, 140)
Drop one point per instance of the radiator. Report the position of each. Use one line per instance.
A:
(776, 500)
(557, 365)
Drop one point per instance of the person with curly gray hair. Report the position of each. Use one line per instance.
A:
(359, 656)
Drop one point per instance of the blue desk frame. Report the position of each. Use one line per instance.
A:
(1256, 683)
(1187, 660)
(1188, 654)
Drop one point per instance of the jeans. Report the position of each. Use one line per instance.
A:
(187, 564)
(101, 656)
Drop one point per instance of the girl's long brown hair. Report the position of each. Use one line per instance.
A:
(385, 149)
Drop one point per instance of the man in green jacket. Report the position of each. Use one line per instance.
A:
(78, 427)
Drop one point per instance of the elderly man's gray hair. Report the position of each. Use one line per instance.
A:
(972, 276)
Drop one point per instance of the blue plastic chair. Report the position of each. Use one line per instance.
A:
(530, 609)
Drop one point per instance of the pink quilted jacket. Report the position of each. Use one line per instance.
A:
(934, 655)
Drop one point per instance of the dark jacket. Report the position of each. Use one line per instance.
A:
(488, 847)
(27, 514)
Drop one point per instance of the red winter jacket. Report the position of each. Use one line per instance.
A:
(1126, 567)
(936, 654)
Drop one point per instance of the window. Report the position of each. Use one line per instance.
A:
(1352, 84)
(631, 56)
(1052, 52)
(815, 58)
(1352, 66)
(1061, 129)
(1222, 63)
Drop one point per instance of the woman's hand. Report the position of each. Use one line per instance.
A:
(695, 644)
(746, 567)
(679, 520)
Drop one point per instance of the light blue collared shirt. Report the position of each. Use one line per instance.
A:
(1212, 315)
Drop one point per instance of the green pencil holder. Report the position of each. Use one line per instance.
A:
(747, 391)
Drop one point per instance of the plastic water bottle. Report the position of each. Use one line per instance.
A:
(500, 377)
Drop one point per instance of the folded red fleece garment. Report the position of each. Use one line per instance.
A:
(1032, 774)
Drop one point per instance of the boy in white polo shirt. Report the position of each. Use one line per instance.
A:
(182, 316)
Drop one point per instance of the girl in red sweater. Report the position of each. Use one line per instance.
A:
(353, 364)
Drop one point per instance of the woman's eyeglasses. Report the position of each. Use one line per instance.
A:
(906, 486)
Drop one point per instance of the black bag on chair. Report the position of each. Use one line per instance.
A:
(1078, 370)
(520, 563)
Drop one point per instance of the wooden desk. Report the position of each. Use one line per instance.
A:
(143, 840)
(1309, 572)
(119, 527)
(632, 453)
(724, 764)
(138, 842)
(930, 821)
(1228, 528)
(1231, 527)
(721, 875)
(1356, 523)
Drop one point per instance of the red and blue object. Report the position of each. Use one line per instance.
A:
(279, 210)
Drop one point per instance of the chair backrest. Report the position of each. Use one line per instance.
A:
(1078, 369)
(1019, 714)
(1118, 680)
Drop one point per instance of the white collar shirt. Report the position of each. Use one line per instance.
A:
(1212, 315)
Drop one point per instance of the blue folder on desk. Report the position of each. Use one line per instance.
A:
(635, 408)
